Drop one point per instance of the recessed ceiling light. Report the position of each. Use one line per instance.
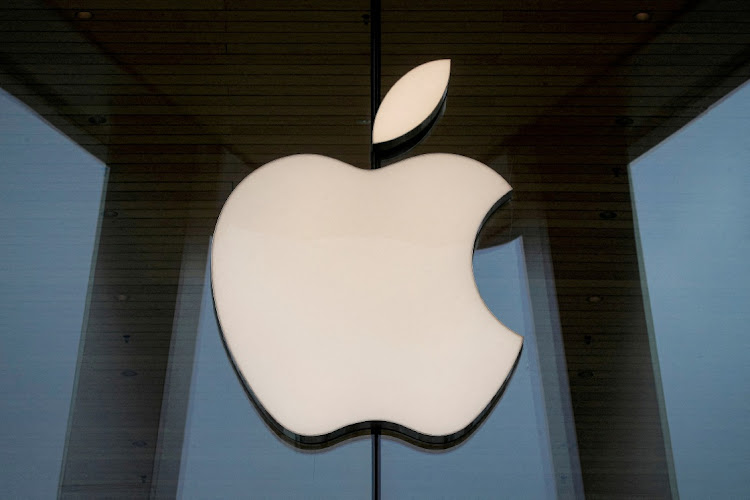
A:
(623, 121)
(140, 444)
(122, 297)
(608, 214)
(642, 16)
(84, 15)
(97, 120)
(594, 299)
(129, 373)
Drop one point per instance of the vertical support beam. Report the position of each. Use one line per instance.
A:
(374, 74)
(178, 379)
(375, 163)
(376, 463)
(558, 409)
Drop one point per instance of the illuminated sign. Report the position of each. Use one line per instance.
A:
(346, 297)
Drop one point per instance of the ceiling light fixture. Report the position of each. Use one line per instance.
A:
(623, 121)
(97, 120)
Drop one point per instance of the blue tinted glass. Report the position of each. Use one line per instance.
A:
(693, 213)
(50, 195)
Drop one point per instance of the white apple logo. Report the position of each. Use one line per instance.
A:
(346, 297)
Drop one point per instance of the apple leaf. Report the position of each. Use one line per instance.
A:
(412, 101)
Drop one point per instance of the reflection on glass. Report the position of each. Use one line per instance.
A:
(50, 198)
(509, 456)
(230, 453)
(691, 197)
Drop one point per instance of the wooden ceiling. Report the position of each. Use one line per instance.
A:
(183, 98)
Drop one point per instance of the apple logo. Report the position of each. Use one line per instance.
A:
(346, 297)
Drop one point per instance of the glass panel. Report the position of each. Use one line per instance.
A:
(691, 197)
(50, 197)
(182, 99)
(486, 118)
